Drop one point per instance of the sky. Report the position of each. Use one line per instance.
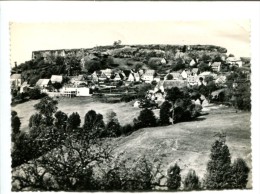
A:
(27, 37)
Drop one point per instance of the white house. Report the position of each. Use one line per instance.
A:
(15, 80)
(107, 72)
(56, 79)
(24, 87)
(131, 77)
(234, 61)
(216, 66)
(148, 75)
(43, 84)
(193, 62)
(137, 77)
(71, 91)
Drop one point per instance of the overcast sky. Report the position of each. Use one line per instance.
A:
(25, 38)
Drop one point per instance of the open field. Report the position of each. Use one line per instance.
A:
(187, 143)
(125, 111)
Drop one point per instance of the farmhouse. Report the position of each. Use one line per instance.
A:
(234, 61)
(148, 76)
(15, 81)
(43, 84)
(216, 66)
(56, 79)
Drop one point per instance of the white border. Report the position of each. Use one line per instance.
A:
(121, 11)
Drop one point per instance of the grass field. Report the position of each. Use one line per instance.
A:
(186, 143)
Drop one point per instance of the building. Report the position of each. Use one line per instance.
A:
(193, 80)
(107, 72)
(234, 61)
(148, 76)
(43, 84)
(76, 80)
(216, 66)
(24, 87)
(15, 81)
(56, 79)
(71, 91)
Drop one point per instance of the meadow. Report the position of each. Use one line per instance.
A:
(187, 143)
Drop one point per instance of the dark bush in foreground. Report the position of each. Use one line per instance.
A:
(239, 173)
(174, 177)
(191, 181)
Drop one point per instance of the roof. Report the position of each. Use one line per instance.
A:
(216, 64)
(42, 82)
(205, 73)
(149, 72)
(16, 76)
(195, 70)
(168, 84)
(56, 78)
(233, 59)
(77, 78)
(176, 75)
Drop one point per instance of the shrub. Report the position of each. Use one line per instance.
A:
(147, 118)
(15, 123)
(113, 126)
(35, 93)
(218, 168)
(191, 181)
(61, 119)
(74, 120)
(127, 129)
(165, 113)
(239, 173)
(173, 177)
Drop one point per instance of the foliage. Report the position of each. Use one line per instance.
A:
(165, 113)
(57, 85)
(239, 173)
(60, 120)
(173, 177)
(15, 123)
(204, 67)
(126, 129)
(113, 126)
(143, 88)
(93, 124)
(35, 93)
(146, 119)
(169, 77)
(178, 64)
(218, 168)
(35, 120)
(73, 121)
(191, 181)
(47, 106)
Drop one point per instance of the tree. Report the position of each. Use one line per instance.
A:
(191, 181)
(173, 94)
(35, 93)
(57, 85)
(15, 123)
(35, 120)
(147, 118)
(174, 177)
(204, 67)
(93, 124)
(169, 77)
(60, 120)
(113, 126)
(239, 173)
(165, 113)
(117, 43)
(74, 121)
(219, 166)
(47, 106)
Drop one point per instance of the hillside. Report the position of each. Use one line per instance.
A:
(162, 58)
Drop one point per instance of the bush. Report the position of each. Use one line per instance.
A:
(61, 119)
(146, 118)
(112, 127)
(165, 113)
(191, 181)
(239, 173)
(74, 120)
(174, 177)
(127, 129)
(35, 94)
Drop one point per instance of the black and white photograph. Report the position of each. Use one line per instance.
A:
(131, 106)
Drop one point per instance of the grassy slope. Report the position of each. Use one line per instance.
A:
(194, 140)
(187, 143)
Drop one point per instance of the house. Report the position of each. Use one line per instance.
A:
(24, 87)
(194, 71)
(102, 77)
(72, 91)
(43, 84)
(216, 66)
(107, 72)
(148, 76)
(174, 75)
(117, 77)
(56, 79)
(131, 77)
(234, 61)
(185, 74)
(193, 62)
(76, 80)
(168, 84)
(163, 61)
(137, 77)
(221, 80)
(15, 81)
(193, 80)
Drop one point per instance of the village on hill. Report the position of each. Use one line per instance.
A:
(119, 70)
